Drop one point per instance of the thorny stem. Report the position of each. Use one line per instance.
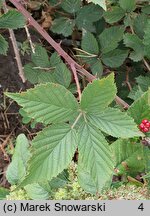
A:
(76, 80)
(58, 48)
(16, 51)
(76, 121)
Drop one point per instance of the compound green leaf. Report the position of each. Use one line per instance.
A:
(140, 109)
(110, 38)
(114, 14)
(101, 3)
(63, 26)
(98, 95)
(95, 155)
(16, 171)
(115, 123)
(47, 103)
(12, 19)
(89, 43)
(115, 58)
(40, 57)
(52, 151)
(3, 45)
(71, 6)
(129, 154)
(128, 5)
(135, 43)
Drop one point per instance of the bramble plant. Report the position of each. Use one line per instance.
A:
(73, 125)
(82, 117)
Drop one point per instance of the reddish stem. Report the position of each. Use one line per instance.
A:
(57, 47)
(76, 80)
(47, 37)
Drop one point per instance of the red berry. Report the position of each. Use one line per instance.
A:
(142, 126)
(144, 121)
(147, 125)
(145, 130)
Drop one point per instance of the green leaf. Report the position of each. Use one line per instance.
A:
(101, 3)
(95, 155)
(140, 109)
(98, 95)
(146, 9)
(71, 6)
(135, 93)
(3, 193)
(89, 43)
(129, 153)
(59, 181)
(63, 26)
(25, 118)
(139, 24)
(40, 57)
(58, 74)
(47, 103)
(36, 192)
(36, 75)
(97, 67)
(12, 19)
(143, 82)
(16, 171)
(115, 123)
(114, 14)
(115, 58)
(146, 40)
(110, 38)
(62, 75)
(87, 15)
(135, 43)
(85, 179)
(3, 45)
(128, 5)
(55, 59)
(52, 151)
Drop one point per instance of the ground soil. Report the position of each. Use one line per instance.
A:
(10, 120)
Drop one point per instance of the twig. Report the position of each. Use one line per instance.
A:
(47, 37)
(57, 46)
(146, 64)
(76, 80)
(29, 38)
(16, 51)
(127, 79)
(121, 102)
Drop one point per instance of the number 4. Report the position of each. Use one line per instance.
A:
(141, 207)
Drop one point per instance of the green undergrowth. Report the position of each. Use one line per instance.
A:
(73, 191)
